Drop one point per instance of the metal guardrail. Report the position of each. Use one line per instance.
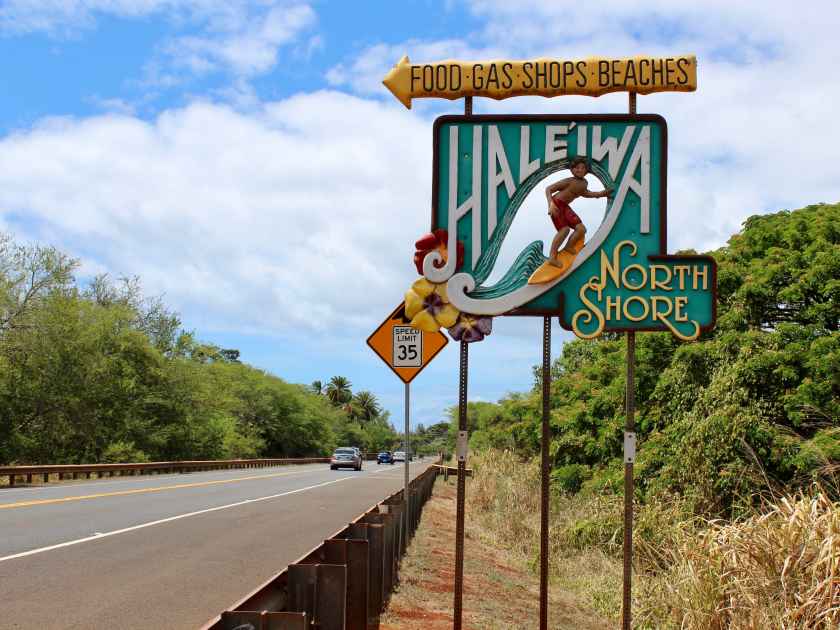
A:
(451, 470)
(13, 472)
(342, 584)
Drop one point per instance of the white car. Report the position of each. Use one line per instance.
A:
(399, 456)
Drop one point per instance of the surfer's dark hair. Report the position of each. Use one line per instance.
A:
(579, 160)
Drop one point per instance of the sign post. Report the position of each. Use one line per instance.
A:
(629, 458)
(407, 351)
(545, 470)
(614, 277)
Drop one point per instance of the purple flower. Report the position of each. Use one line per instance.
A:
(470, 328)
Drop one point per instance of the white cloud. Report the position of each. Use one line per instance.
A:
(765, 100)
(250, 48)
(298, 216)
(365, 72)
(240, 36)
(295, 217)
(60, 17)
(113, 105)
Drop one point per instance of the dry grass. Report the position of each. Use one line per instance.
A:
(583, 534)
(500, 590)
(779, 569)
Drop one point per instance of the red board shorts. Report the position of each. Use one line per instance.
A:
(566, 217)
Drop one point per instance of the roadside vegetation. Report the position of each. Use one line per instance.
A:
(738, 471)
(501, 591)
(101, 373)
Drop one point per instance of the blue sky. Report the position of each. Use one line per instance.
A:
(77, 66)
(244, 160)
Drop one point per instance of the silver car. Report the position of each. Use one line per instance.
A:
(346, 457)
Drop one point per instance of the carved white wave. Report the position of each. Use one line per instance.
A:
(462, 283)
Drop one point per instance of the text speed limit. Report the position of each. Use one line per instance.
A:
(408, 347)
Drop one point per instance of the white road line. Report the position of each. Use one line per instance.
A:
(100, 536)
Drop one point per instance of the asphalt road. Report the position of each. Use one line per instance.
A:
(168, 551)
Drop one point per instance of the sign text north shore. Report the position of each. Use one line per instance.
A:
(622, 277)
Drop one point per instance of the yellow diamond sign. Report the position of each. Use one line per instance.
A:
(404, 349)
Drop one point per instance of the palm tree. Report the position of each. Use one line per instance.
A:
(317, 387)
(338, 390)
(366, 405)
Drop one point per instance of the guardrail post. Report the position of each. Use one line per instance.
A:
(358, 567)
(335, 551)
(330, 597)
(302, 580)
(360, 532)
(353, 555)
(357, 531)
(376, 549)
(421, 494)
(396, 511)
(388, 553)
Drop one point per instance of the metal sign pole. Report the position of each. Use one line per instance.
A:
(459, 518)
(406, 498)
(546, 436)
(629, 457)
(462, 465)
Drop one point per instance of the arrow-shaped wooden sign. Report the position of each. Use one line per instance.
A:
(500, 79)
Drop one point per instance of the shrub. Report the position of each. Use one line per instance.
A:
(123, 453)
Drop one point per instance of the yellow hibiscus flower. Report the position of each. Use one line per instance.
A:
(428, 307)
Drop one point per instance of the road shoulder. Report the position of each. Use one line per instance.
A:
(500, 592)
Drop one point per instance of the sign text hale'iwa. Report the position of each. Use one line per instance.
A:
(620, 278)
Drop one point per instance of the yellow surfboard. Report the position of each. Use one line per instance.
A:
(547, 272)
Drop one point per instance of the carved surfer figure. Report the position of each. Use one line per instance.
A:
(559, 195)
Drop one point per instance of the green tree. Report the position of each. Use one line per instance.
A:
(752, 407)
(366, 406)
(338, 391)
(29, 274)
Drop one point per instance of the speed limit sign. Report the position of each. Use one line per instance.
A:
(404, 349)
(408, 347)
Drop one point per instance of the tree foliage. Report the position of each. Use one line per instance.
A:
(750, 408)
(103, 373)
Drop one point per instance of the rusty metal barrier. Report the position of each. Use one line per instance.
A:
(12, 472)
(342, 584)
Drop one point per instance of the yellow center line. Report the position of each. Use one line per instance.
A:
(197, 484)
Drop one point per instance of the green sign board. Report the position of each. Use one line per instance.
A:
(621, 279)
